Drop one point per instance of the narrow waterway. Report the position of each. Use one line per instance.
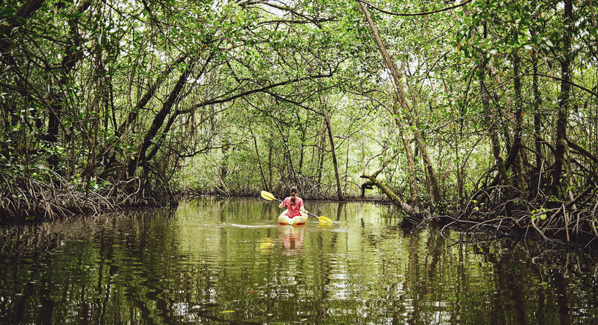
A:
(225, 261)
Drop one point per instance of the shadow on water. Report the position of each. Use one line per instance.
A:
(227, 261)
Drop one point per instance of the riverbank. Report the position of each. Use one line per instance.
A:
(74, 202)
(29, 199)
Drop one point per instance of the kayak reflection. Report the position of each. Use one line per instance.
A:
(292, 238)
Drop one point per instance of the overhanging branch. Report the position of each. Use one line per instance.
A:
(414, 14)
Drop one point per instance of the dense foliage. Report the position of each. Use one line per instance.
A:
(477, 109)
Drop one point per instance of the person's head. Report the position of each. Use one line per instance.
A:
(293, 191)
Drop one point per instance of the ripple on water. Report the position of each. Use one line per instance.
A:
(228, 261)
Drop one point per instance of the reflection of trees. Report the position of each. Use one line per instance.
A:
(509, 282)
(148, 267)
(492, 282)
(81, 267)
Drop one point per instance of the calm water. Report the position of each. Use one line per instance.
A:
(226, 261)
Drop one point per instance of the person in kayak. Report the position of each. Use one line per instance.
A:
(293, 204)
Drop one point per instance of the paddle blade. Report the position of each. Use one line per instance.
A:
(268, 196)
(324, 220)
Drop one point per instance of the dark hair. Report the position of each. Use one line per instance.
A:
(293, 191)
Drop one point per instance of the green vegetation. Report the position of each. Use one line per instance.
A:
(483, 110)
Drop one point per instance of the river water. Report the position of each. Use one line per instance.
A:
(226, 261)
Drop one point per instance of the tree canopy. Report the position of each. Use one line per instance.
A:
(470, 109)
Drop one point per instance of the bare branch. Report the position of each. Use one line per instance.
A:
(414, 14)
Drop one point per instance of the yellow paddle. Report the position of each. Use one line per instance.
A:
(268, 196)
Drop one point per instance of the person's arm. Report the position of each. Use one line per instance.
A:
(302, 208)
(282, 203)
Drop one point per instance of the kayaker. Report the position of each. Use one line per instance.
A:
(293, 204)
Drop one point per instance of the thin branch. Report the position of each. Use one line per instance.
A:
(567, 81)
(293, 102)
(262, 90)
(414, 14)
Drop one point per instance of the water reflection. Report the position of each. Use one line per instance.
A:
(266, 246)
(227, 261)
(292, 239)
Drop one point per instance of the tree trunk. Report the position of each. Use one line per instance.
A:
(493, 133)
(270, 169)
(346, 168)
(561, 117)
(339, 190)
(396, 76)
(322, 153)
(288, 154)
(593, 15)
(259, 161)
(56, 97)
(411, 178)
(158, 121)
(517, 143)
(503, 178)
(407, 208)
(538, 179)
